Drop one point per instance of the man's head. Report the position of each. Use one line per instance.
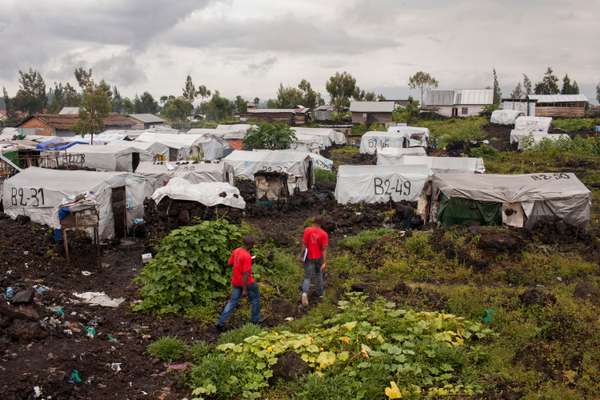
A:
(318, 221)
(248, 242)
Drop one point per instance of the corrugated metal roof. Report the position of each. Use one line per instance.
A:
(69, 111)
(458, 97)
(277, 110)
(438, 98)
(372, 106)
(147, 118)
(558, 98)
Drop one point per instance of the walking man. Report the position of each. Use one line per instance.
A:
(242, 283)
(314, 250)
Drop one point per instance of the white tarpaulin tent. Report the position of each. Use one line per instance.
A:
(296, 165)
(533, 124)
(109, 157)
(379, 184)
(392, 155)
(159, 174)
(531, 197)
(525, 140)
(186, 144)
(38, 192)
(446, 164)
(505, 117)
(307, 142)
(334, 136)
(318, 160)
(209, 194)
(373, 141)
(415, 136)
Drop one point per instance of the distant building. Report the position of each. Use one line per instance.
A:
(69, 111)
(291, 116)
(323, 113)
(368, 112)
(526, 106)
(560, 105)
(63, 125)
(146, 121)
(458, 103)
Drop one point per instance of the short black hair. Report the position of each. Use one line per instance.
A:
(248, 241)
(318, 220)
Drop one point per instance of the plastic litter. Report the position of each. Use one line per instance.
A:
(75, 377)
(37, 392)
(9, 292)
(146, 258)
(86, 273)
(115, 367)
(90, 332)
(40, 289)
(488, 316)
(59, 311)
(111, 338)
(99, 299)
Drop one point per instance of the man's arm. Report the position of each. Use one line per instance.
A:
(324, 264)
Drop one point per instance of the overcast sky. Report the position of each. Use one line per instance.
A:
(248, 47)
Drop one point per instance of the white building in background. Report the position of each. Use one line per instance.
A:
(458, 102)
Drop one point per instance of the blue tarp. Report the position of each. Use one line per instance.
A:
(57, 144)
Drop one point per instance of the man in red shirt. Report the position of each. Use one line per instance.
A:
(242, 283)
(314, 250)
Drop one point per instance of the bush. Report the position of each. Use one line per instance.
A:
(198, 350)
(270, 136)
(324, 176)
(189, 268)
(238, 335)
(575, 124)
(418, 244)
(355, 242)
(167, 348)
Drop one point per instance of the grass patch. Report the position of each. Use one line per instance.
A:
(167, 348)
(454, 129)
(575, 124)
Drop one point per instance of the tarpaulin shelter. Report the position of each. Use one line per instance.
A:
(515, 200)
(380, 184)
(533, 124)
(209, 194)
(183, 145)
(111, 157)
(373, 141)
(505, 117)
(38, 192)
(57, 143)
(310, 143)
(159, 174)
(415, 136)
(297, 166)
(319, 162)
(392, 155)
(334, 136)
(445, 164)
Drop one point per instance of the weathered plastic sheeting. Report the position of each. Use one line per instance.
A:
(505, 117)
(557, 195)
(109, 157)
(318, 160)
(392, 155)
(380, 184)
(373, 141)
(159, 174)
(525, 140)
(38, 192)
(209, 194)
(415, 136)
(154, 148)
(334, 136)
(533, 124)
(446, 164)
(186, 144)
(311, 142)
(296, 165)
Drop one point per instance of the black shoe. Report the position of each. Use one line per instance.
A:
(220, 328)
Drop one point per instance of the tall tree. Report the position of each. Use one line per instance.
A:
(341, 87)
(497, 90)
(256, 101)
(527, 86)
(574, 88)
(189, 90)
(8, 104)
(217, 108)
(202, 91)
(31, 96)
(240, 104)
(310, 97)
(549, 83)
(145, 104)
(566, 85)
(289, 97)
(95, 106)
(422, 80)
(84, 77)
(361, 95)
(128, 106)
(62, 96)
(177, 109)
(116, 101)
(598, 92)
(517, 92)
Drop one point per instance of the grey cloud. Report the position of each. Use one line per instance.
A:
(261, 67)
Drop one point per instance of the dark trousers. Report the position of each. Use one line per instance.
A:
(312, 272)
(236, 294)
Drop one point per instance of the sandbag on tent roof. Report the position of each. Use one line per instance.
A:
(380, 184)
(531, 197)
(446, 164)
(391, 155)
(505, 117)
(110, 157)
(159, 174)
(209, 194)
(525, 140)
(373, 141)
(296, 165)
(334, 136)
(38, 192)
(415, 136)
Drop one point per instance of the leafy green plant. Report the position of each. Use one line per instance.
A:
(357, 241)
(167, 348)
(238, 335)
(418, 244)
(270, 136)
(324, 176)
(189, 267)
(575, 124)
(198, 350)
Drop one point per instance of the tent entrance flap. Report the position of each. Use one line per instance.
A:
(459, 211)
(135, 161)
(118, 199)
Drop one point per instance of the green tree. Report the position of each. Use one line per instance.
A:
(549, 83)
(256, 101)
(270, 137)
(95, 106)
(289, 97)
(84, 77)
(189, 90)
(341, 87)
(128, 107)
(177, 109)
(62, 96)
(310, 98)
(9, 106)
(217, 108)
(422, 80)
(409, 113)
(145, 104)
(202, 91)
(574, 88)
(116, 101)
(31, 96)
(527, 86)
(361, 95)
(598, 92)
(497, 91)
(517, 92)
(569, 87)
(240, 105)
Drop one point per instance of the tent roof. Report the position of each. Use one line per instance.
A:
(465, 164)
(147, 118)
(267, 156)
(368, 170)
(559, 98)
(64, 180)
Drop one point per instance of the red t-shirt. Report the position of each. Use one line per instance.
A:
(316, 240)
(242, 262)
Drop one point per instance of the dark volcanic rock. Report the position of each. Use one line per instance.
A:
(23, 297)
(289, 366)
